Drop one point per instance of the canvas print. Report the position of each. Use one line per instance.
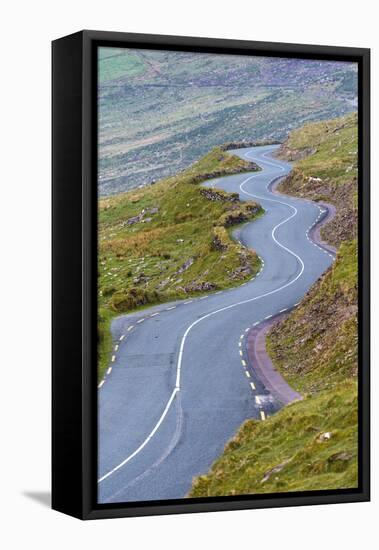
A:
(227, 275)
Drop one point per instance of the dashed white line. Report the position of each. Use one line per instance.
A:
(263, 416)
(252, 385)
(109, 370)
(116, 347)
(268, 317)
(122, 337)
(283, 310)
(258, 400)
(113, 358)
(131, 327)
(189, 302)
(241, 354)
(154, 314)
(243, 363)
(247, 373)
(101, 383)
(141, 320)
(169, 308)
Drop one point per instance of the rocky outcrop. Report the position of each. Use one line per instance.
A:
(199, 286)
(247, 166)
(247, 143)
(343, 227)
(219, 195)
(141, 217)
(185, 266)
(239, 215)
(286, 153)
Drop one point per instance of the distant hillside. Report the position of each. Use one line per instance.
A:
(171, 240)
(160, 111)
(311, 444)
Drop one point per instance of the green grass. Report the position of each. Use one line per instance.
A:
(314, 348)
(288, 452)
(182, 248)
(335, 143)
(115, 63)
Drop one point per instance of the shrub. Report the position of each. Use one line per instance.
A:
(126, 300)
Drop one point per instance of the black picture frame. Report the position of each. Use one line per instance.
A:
(74, 337)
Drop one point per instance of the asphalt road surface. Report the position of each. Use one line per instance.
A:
(179, 384)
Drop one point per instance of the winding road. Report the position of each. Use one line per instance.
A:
(179, 384)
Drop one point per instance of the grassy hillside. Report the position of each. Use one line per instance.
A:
(328, 171)
(160, 111)
(310, 444)
(171, 240)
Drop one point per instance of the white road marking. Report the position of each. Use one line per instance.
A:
(239, 343)
(189, 302)
(241, 337)
(154, 314)
(263, 416)
(257, 400)
(109, 370)
(255, 324)
(243, 363)
(146, 440)
(122, 337)
(241, 354)
(131, 327)
(141, 320)
(113, 358)
(252, 385)
(247, 329)
(203, 297)
(116, 347)
(208, 315)
(169, 308)
(268, 317)
(101, 383)
(247, 373)
(283, 310)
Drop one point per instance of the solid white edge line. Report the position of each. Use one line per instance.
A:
(166, 409)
